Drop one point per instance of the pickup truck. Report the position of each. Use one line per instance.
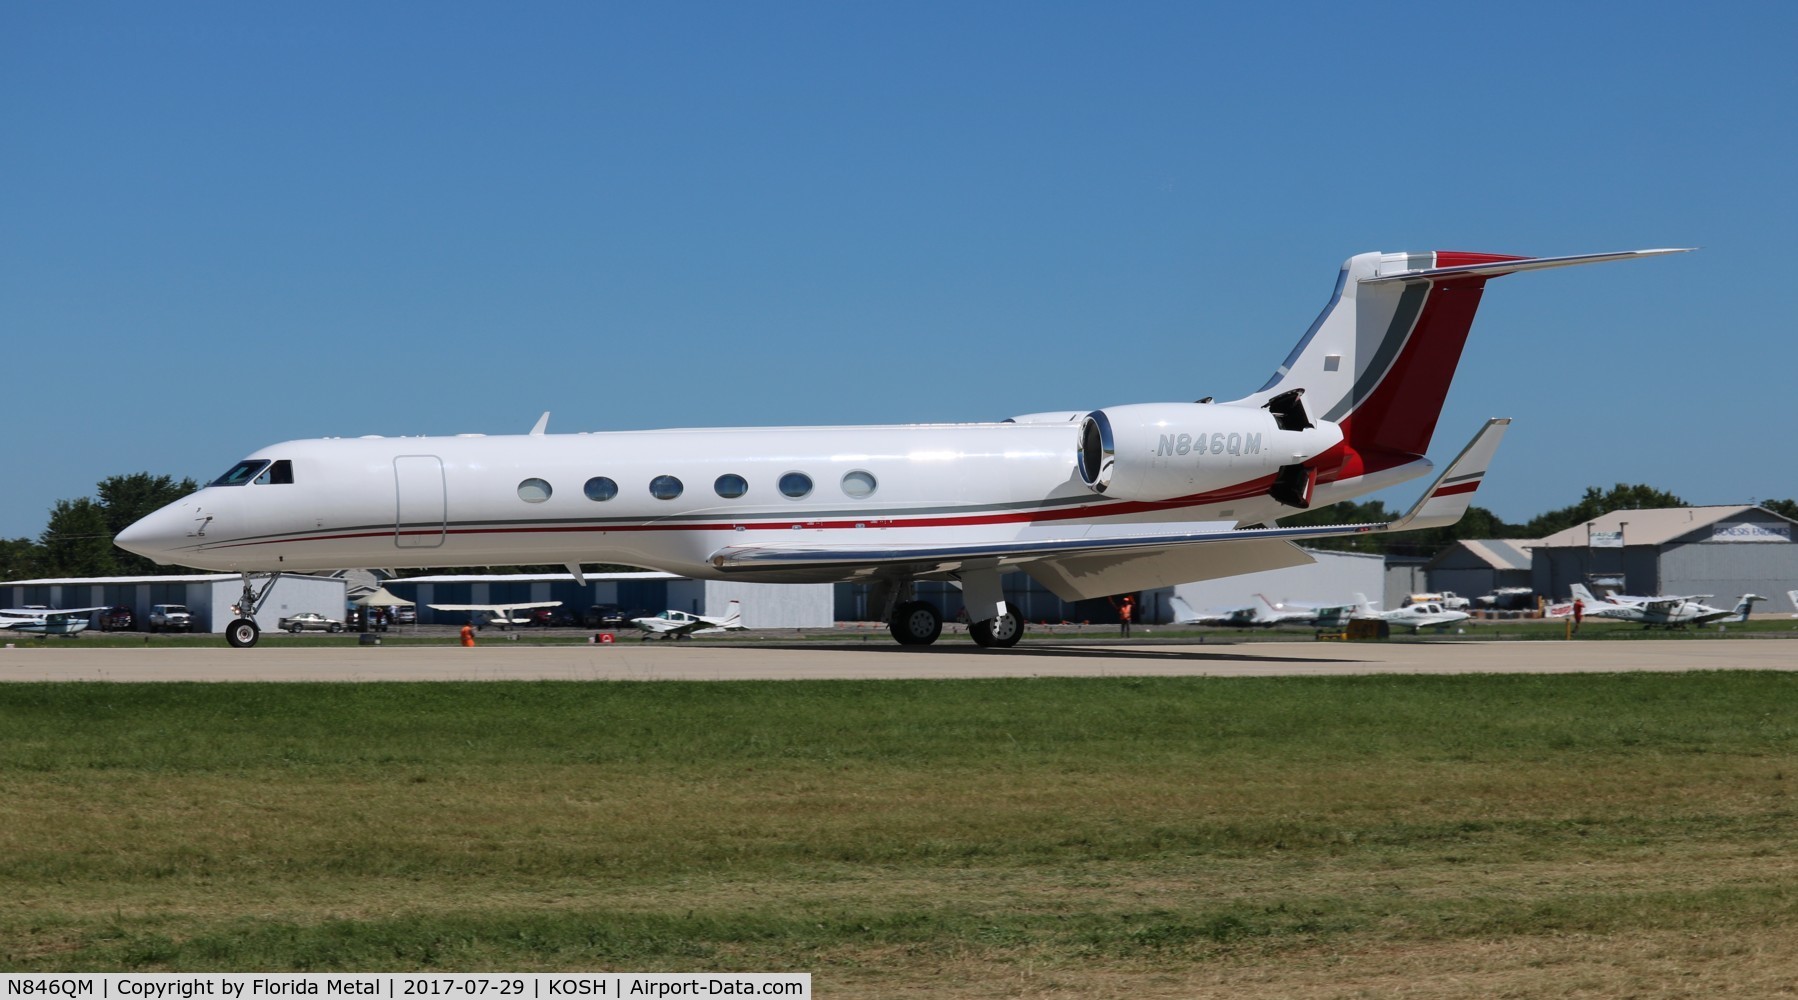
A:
(170, 618)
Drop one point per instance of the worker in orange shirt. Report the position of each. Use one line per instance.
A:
(1126, 611)
(468, 634)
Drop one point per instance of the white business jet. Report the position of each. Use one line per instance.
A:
(1089, 503)
(672, 624)
(41, 621)
(498, 615)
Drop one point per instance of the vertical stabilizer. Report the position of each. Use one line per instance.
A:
(1379, 359)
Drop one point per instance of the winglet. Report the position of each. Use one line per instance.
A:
(1449, 496)
(542, 425)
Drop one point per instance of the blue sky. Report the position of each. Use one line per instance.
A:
(226, 225)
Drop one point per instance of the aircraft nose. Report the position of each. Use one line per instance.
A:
(155, 536)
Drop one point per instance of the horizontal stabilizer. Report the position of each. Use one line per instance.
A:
(1492, 269)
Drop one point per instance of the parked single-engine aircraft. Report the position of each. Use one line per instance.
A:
(1089, 503)
(1261, 614)
(47, 621)
(1416, 617)
(1665, 612)
(673, 624)
(498, 615)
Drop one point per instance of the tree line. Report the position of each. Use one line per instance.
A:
(77, 542)
(1482, 523)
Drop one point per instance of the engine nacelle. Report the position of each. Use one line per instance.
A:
(1159, 451)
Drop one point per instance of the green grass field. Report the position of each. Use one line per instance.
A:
(1370, 836)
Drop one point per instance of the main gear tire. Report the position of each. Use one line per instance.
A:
(916, 623)
(1002, 632)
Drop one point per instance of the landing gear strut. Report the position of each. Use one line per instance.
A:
(243, 631)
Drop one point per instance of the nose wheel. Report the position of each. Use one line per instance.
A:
(243, 631)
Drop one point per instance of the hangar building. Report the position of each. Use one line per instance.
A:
(1471, 567)
(208, 596)
(1724, 551)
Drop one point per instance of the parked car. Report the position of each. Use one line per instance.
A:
(378, 618)
(609, 616)
(310, 621)
(117, 619)
(554, 618)
(403, 614)
(171, 618)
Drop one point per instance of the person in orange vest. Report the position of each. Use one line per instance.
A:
(1579, 613)
(468, 635)
(1126, 611)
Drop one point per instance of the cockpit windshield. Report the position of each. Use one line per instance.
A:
(242, 472)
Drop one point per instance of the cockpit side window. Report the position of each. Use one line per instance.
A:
(280, 473)
(242, 472)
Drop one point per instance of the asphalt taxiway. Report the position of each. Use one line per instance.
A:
(634, 661)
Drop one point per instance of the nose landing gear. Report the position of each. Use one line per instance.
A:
(243, 631)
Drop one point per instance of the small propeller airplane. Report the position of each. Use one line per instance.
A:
(1415, 617)
(41, 622)
(1088, 502)
(1662, 612)
(673, 624)
(498, 615)
(1262, 614)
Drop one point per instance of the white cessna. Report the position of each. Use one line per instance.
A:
(1666, 612)
(42, 621)
(1088, 503)
(498, 615)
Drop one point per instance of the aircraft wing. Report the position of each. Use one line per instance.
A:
(1087, 561)
(50, 612)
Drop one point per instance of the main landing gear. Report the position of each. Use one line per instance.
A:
(916, 623)
(1002, 632)
(919, 623)
(243, 631)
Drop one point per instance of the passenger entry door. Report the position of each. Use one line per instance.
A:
(420, 504)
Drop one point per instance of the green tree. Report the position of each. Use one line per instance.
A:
(1637, 496)
(1478, 522)
(1787, 507)
(77, 541)
(19, 559)
(125, 499)
(1370, 512)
